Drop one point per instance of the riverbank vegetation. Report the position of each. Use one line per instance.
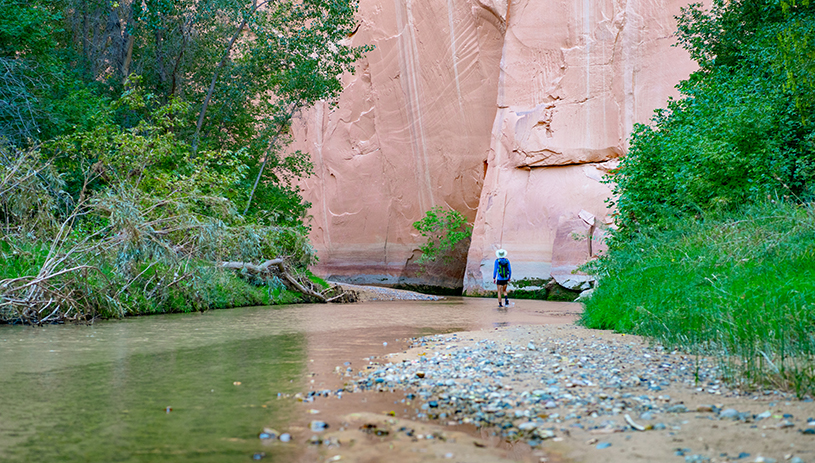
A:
(141, 165)
(714, 247)
(443, 230)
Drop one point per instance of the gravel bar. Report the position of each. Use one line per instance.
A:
(532, 385)
(378, 293)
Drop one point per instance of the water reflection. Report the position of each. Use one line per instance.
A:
(117, 411)
(100, 393)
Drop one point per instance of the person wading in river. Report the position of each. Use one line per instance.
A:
(501, 274)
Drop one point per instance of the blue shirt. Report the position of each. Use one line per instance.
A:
(495, 269)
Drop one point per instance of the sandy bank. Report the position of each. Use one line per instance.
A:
(560, 393)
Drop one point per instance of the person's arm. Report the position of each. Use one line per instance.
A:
(494, 270)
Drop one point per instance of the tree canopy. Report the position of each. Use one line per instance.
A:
(742, 129)
(243, 68)
(141, 150)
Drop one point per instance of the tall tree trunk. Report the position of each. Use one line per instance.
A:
(183, 30)
(266, 157)
(128, 57)
(162, 72)
(216, 74)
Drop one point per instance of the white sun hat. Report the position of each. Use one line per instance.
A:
(501, 253)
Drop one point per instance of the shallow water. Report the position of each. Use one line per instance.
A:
(102, 392)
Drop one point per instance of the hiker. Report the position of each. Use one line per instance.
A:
(501, 274)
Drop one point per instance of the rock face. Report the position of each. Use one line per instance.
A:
(411, 131)
(507, 112)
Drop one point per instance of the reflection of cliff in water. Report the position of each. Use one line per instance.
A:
(508, 113)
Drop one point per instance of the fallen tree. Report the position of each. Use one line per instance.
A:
(139, 239)
(305, 287)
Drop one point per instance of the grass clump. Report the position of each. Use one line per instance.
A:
(737, 286)
(701, 258)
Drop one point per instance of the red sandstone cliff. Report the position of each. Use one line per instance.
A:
(508, 113)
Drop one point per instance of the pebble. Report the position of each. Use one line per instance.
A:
(285, 437)
(696, 458)
(318, 426)
(535, 389)
(678, 408)
(729, 413)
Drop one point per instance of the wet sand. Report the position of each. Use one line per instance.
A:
(370, 426)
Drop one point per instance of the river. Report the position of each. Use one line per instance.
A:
(200, 387)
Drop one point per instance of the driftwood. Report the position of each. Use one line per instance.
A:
(279, 265)
(41, 299)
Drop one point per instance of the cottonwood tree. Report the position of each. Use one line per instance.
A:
(245, 67)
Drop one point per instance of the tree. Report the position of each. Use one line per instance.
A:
(132, 135)
(736, 135)
(244, 67)
(40, 96)
(443, 229)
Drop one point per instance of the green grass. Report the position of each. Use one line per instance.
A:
(317, 280)
(206, 288)
(738, 287)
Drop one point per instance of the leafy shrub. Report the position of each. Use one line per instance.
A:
(142, 231)
(735, 136)
(443, 230)
(714, 251)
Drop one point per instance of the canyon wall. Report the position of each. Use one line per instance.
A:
(575, 77)
(507, 112)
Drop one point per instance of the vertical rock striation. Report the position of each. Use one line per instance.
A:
(575, 77)
(411, 131)
(507, 112)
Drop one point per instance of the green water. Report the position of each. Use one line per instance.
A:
(116, 410)
(100, 393)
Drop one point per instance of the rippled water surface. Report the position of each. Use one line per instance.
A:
(102, 392)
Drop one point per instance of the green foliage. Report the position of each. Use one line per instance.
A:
(712, 253)
(41, 95)
(443, 230)
(132, 135)
(738, 286)
(25, 29)
(798, 54)
(736, 135)
(61, 62)
(141, 227)
(30, 193)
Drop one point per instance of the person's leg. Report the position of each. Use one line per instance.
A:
(500, 293)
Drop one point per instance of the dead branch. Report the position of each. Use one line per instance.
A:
(280, 266)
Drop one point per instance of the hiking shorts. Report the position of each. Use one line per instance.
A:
(501, 282)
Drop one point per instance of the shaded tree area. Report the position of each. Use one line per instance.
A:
(141, 145)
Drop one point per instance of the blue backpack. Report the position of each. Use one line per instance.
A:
(503, 268)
